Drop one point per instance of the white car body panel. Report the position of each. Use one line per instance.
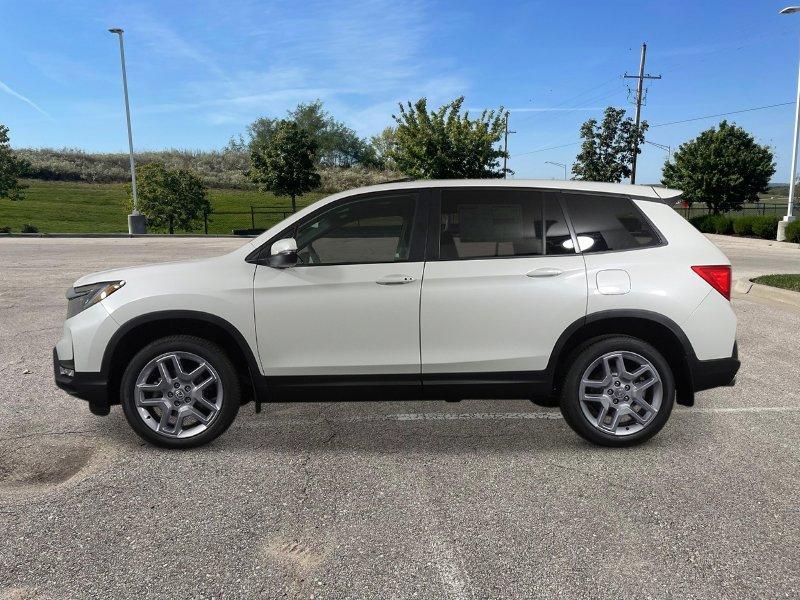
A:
(488, 315)
(220, 286)
(337, 320)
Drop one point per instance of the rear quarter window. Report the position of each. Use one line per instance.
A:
(608, 223)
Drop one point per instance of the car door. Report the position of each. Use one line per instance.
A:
(350, 307)
(504, 283)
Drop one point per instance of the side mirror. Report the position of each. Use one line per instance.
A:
(283, 254)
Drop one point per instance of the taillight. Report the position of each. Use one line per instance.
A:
(717, 276)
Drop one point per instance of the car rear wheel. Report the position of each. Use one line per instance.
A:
(618, 391)
(180, 392)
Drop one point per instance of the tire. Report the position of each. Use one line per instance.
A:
(180, 409)
(640, 410)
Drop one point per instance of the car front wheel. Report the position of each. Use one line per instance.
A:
(180, 392)
(618, 391)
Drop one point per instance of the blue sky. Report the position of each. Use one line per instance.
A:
(200, 71)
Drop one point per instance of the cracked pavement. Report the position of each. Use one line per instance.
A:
(477, 499)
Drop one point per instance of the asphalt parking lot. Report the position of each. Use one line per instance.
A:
(477, 499)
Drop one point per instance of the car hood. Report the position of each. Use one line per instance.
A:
(157, 270)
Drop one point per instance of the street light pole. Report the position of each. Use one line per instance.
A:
(793, 175)
(136, 221)
(558, 164)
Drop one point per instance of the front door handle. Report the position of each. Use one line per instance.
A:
(395, 279)
(544, 272)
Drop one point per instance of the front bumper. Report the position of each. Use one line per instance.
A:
(92, 387)
(707, 374)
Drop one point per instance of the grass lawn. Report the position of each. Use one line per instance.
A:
(787, 282)
(74, 207)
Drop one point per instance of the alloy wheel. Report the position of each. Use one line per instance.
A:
(178, 394)
(620, 393)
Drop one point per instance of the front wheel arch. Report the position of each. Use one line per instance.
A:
(138, 332)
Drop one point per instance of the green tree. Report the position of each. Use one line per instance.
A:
(171, 198)
(444, 144)
(723, 167)
(285, 166)
(337, 144)
(607, 150)
(382, 147)
(11, 169)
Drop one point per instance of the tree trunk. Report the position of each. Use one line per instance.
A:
(294, 204)
(171, 228)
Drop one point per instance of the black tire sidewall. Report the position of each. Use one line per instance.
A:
(206, 350)
(570, 404)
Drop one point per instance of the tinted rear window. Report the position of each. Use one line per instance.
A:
(488, 223)
(604, 223)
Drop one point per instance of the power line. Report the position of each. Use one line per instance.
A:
(733, 112)
(546, 149)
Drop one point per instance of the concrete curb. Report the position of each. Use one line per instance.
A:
(768, 292)
(123, 235)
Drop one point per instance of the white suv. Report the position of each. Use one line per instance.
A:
(597, 296)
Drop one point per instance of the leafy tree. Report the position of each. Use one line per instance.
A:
(723, 167)
(445, 144)
(285, 166)
(171, 198)
(11, 169)
(337, 144)
(607, 149)
(382, 146)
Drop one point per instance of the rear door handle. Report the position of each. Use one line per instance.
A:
(395, 279)
(544, 272)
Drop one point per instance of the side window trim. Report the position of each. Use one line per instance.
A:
(568, 220)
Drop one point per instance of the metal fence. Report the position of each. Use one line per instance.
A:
(758, 208)
(255, 219)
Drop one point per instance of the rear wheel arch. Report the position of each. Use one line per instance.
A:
(660, 332)
(140, 331)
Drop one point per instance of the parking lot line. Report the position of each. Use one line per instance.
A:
(497, 416)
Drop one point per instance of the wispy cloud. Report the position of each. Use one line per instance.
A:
(27, 101)
(360, 57)
(167, 42)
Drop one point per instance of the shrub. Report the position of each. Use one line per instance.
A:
(28, 228)
(5, 229)
(766, 227)
(703, 223)
(338, 179)
(793, 232)
(722, 224)
(744, 225)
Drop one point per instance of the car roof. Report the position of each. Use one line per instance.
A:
(642, 192)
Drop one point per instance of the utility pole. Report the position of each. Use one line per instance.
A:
(505, 149)
(639, 93)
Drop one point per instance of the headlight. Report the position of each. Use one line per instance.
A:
(81, 298)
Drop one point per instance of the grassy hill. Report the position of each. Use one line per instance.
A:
(75, 207)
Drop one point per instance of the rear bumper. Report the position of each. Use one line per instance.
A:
(91, 387)
(707, 374)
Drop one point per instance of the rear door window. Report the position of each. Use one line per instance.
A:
(490, 223)
(607, 223)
